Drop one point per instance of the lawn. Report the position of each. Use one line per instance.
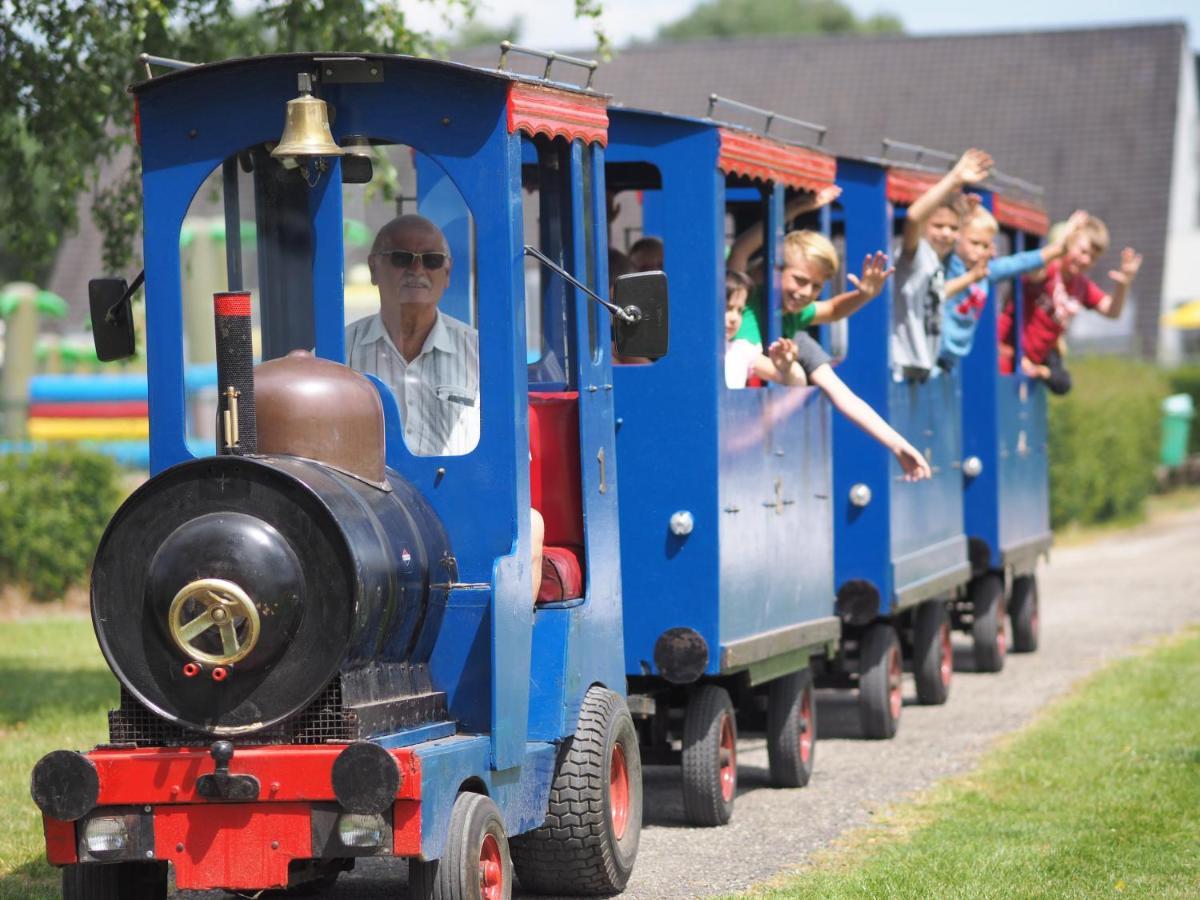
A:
(54, 692)
(1100, 797)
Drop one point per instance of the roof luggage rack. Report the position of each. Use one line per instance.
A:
(770, 116)
(551, 57)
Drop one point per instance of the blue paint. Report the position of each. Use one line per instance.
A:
(431, 732)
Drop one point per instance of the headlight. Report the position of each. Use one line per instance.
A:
(682, 523)
(355, 830)
(105, 835)
(972, 466)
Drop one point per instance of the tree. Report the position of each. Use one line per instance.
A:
(64, 112)
(739, 18)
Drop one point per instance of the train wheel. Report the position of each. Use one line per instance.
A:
(476, 864)
(881, 668)
(115, 881)
(575, 851)
(933, 655)
(991, 643)
(1023, 611)
(791, 729)
(709, 757)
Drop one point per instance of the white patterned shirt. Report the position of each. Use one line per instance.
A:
(438, 392)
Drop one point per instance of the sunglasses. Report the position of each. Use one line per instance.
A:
(403, 259)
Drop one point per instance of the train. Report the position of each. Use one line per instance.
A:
(324, 637)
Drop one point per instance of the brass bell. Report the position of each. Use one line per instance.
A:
(306, 131)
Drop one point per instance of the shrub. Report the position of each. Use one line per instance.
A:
(1104, 440)
(54, 505)
(1186, 380)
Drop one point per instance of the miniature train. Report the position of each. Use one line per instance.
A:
(325, 642)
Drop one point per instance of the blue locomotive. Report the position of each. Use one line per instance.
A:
(325, 640)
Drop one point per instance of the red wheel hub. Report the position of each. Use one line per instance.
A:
(491, 869)
(895, 672)
(807, 734)
(946, 666)
(728, 759)
(618, 790)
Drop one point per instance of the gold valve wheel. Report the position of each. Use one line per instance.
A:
(214, 603)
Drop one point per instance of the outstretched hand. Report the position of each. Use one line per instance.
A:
(912, 462)
(875, 272)
(783, 353)
(972, 167)
(1131, 261)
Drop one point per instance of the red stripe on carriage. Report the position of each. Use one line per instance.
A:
(906, 185)
(765, 159)
(115, 409)
(286, 773)
(541, 109)
(1021, 215)
(234, 303)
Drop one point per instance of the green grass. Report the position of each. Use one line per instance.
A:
(54, 692)
(1100, 797)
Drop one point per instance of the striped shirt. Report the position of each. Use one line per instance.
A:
(438, 392)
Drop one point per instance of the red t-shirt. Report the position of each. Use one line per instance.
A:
(1050, 303)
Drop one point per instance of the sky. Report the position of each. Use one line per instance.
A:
(553, 25)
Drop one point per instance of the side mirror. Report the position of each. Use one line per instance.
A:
(112, 318)
(644, 296)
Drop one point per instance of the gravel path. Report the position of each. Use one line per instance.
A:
(1098, 601)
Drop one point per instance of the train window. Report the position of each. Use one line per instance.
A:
(1002, 291)
(745, 211)
(546, 204)
(212, 260)
(408, 236)
(589, 244)
(635, 226)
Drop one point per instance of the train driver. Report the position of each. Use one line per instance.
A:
(429, 359)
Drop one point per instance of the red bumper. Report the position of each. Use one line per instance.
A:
(234, 845)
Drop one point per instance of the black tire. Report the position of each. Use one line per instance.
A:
(115, 881)
(709, 757)
(933, 657)
(1024, 613)
(880, 670)
(791, 729)
(476, 864)
(589, 841)
(987, 601)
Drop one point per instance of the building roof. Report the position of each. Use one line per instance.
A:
(1089, 114)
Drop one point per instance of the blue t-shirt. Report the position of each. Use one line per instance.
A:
(960, 313)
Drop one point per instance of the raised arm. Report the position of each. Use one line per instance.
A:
(971, 168)
(746, 244)
(861, 414)
(1054, 249)
(875, 273)
(978, 272)
(1111, 304)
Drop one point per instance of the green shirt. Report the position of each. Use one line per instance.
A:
(752, 331)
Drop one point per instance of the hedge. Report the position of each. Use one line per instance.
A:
(1104, 440)
(54, 505)
(1186, 380)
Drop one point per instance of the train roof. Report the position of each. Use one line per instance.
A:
(536, 105)
(760, 157)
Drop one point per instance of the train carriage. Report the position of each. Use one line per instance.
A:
(726, 549)
(1005, 444)
(326, 642)
(900, 549)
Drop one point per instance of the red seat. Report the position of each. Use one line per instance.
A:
(555, 492)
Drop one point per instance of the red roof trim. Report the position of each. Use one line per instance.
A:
(539, 109)
(1022, 215)
(906, 185)
(763, 159)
